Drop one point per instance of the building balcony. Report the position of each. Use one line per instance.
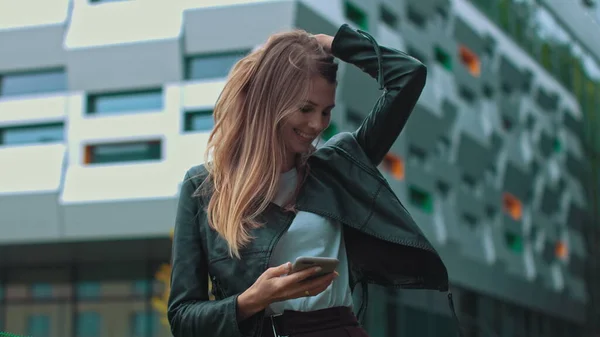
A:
(200, 20)
(29, 187)
(33, 109)
(106, 51)
(31, 33)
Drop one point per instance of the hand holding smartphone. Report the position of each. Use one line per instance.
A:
(328, 265)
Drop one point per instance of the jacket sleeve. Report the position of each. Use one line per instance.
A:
(400, 76)
(190, 312)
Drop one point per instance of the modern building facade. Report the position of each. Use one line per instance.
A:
(105, 104)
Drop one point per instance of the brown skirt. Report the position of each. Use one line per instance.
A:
(331, 322)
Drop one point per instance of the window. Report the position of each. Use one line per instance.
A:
(561, 250)
(356, 15)
(416, 54)
(28, 134)
(416, 154)
(421, 199)
(547, 101)
(388, 17)
(512, 206)
(41, 290)
(466, 94)
(394, 164)
(142, 287)
(38, 325)
(144, 324)
(470, 60)
(212, 66)
(469, 181)
(514, 242)
(143, 100)
(88, 290)
(33, 82)
(556, 145)
(354, 119)
(417, 19)
(123, 152)
(198, 120)
(330, 131)
(442, 188)
(469, 220)
(506, 124)
(488, 91)
(88, 324)
(443, 58)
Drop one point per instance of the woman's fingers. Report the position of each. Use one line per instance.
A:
(281, 270)
(302, 275)
(316, 286)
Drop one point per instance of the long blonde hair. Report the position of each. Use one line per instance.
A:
(246, 146)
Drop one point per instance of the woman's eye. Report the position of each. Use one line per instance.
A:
(306, 109)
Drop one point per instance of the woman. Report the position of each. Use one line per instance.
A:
(267, 196)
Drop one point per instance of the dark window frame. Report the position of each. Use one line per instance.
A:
(238, 54)
(190, 114)
(156, 151)
(13, 73)
(92, 101)
(30, 126)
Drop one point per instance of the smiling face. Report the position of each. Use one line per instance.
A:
(312, 117)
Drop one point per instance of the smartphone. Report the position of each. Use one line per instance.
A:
(328, 264)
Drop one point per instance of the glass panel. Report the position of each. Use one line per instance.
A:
(41, 290)
(38, 325)
(544, 38)
(443, 58)
(88, 290)
(416, 19)
(421, 199)
(489, 7)
(356, 15)
(142, 287)
(114, 317)
(212, 66)
(48, 133)
(354, 119)
(126, 102)
(199, 120)
(33, 82)
(125, 152)
(145, 324)
(514, 242)
(38, 319)
(330, 131)
(88, 324)
(388, 17)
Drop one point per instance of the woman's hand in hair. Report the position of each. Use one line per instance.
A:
(325, 41)
(276, 285)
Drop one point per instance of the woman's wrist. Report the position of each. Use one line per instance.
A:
(248, 304)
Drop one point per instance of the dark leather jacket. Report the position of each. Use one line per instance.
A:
(384, 245)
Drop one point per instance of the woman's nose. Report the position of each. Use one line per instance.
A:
(317, 124)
